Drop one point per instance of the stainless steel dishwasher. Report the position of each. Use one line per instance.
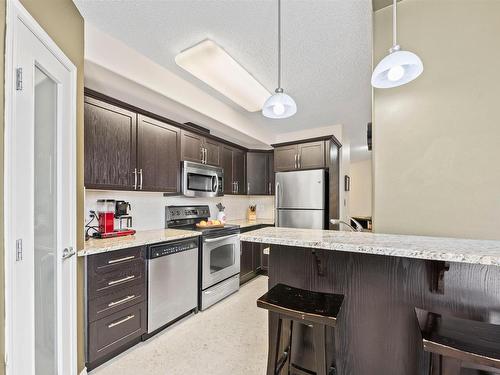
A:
(172, 282)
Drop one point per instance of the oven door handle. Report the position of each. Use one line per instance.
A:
(209, 240)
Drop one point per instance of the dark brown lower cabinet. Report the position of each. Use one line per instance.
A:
(116, 303)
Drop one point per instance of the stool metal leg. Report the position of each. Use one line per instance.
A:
(290, 348)
(320, 348)
(275, 324)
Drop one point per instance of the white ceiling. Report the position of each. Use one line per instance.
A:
(327, 50)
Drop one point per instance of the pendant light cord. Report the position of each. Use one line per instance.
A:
(394, 23)
(279, 44)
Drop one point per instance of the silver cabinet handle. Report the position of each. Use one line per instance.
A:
(121, 280)
(298, 161)
(135, 178)
(140, 181)
(237, 187)
(128, 298)
(206, 155)
(269, 189)
(68, 253)
(121, 259)
(234, 187)
(295, 165)
(248, 187)
(117, 323)
(202, 154)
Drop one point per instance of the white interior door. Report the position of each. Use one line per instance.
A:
(40, 194)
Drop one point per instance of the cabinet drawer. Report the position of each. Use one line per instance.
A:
(115, 277)
(99, 262)
(114, 331)
(116, 300)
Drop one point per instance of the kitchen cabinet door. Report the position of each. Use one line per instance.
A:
(256, 255)
(257, 173)
(213, 149)
(110, 146)
(191, 146)
(227, 166)
(271, 176)
(158, 156)
(246, 261)
(285, 158)
(239, 171)
(311, 155)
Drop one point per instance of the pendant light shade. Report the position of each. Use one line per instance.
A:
(399, 67)
(279, 105)
(396, 69)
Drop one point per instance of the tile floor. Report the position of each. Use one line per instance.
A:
(230, 338)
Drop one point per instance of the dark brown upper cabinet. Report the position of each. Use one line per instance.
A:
(199, 149)
(233, 163)
(260, 173)
(127, 151)
(109, 146)
(158, 156)
(300, 156)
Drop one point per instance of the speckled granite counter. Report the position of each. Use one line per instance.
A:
(418, 247)
(244, 223)
(146, 237)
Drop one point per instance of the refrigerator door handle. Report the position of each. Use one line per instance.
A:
(276, 203)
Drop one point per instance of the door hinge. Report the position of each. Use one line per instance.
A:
(19, 250)
(19, 79)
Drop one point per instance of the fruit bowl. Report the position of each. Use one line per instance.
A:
(210, 224)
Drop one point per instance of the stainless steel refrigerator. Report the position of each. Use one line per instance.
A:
(301, 199)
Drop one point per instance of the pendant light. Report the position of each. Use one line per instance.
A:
(279, 105)
(399, 67)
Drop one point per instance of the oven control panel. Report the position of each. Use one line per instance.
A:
(160, 250)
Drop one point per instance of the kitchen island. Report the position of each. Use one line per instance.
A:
(384, 278)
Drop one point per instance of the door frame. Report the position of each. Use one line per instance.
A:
(15, 11)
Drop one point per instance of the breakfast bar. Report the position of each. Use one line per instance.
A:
(383, 278)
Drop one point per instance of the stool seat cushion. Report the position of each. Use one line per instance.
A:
(302, 304)
(467, 340)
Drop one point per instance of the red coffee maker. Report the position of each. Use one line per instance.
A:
(106, 218)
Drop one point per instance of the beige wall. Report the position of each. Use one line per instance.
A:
(361, 188)
(62, 21)
(436, 140)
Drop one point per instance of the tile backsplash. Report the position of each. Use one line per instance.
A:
(148, 209)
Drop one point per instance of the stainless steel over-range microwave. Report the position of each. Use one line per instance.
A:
(201, 180)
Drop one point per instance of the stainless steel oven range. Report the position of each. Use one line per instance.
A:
(219, 264)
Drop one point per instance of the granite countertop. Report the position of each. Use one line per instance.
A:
(420, 247)
(140, 238)
(245, 223)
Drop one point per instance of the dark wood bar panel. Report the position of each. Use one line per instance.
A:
(377, 330)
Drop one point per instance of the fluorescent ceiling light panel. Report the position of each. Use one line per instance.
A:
(208, 62)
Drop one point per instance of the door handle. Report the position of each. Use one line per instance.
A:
(269, 188)
(135, 178)
(295, 163)
(68, 252)
(210, 240)
(298, 160)
(277, 201)
(140, 181)
(121, 280)
(114, 324)
(248, 187)
(128, 298)
(121, 259)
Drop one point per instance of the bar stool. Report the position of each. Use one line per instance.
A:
(455, 343)
(314, 309)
